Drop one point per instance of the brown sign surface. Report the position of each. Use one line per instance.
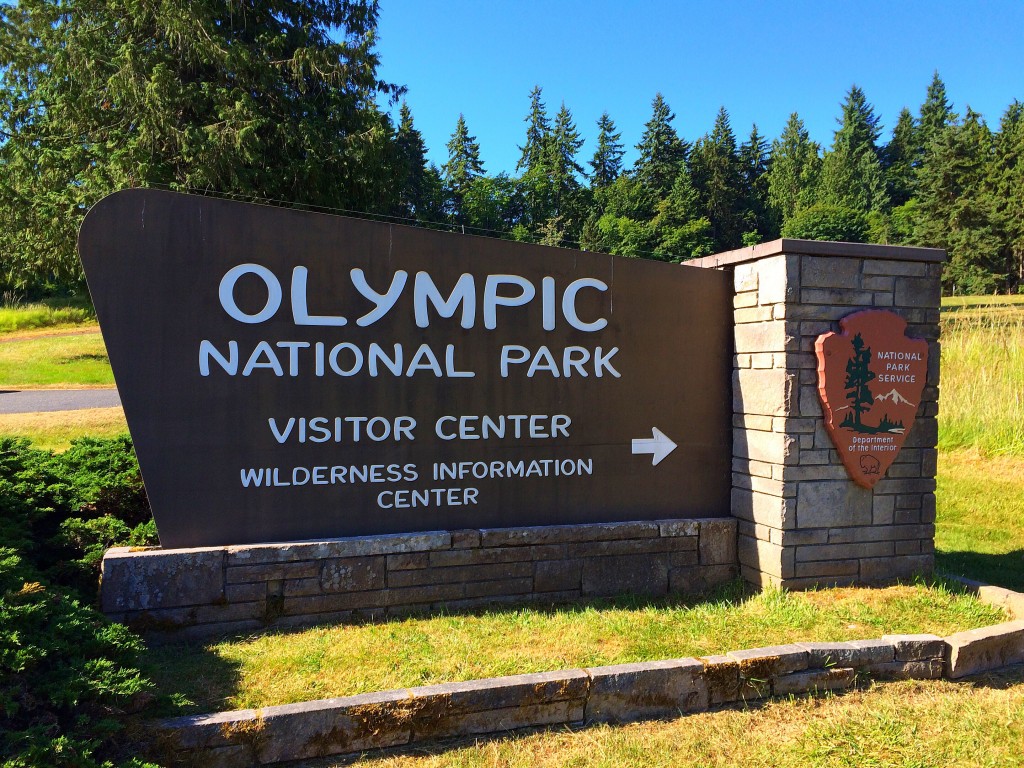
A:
(870, 379)
(291, 375)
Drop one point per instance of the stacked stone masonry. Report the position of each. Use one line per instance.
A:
(246, 588)
(802, 521)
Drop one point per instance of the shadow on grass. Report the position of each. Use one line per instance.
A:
(192, 678)
(1003, 570)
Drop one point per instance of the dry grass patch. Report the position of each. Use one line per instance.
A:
(323, 662)
(54, 430)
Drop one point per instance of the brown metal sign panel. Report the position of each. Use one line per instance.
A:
(870, 379)
(291, 375)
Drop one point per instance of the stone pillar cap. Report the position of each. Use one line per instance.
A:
(820, 248)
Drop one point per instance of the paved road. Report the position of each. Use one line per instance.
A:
(33, 401)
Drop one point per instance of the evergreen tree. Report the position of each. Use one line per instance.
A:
(794, 166)
(538, 128)
(662, 152)
(936, 112)
(851, 173)
(957, 211)
(276, 101)
(412, 159)
(718, 178)
(901, 157)
(563, 147)
(679, 229)
(462, 168)
(760, 223)
(858, 376)
(1006, 182)
(607, 160)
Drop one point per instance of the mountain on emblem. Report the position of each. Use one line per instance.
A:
(855, 367)
(895, 397)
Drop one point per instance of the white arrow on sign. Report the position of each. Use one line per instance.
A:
(659, 445)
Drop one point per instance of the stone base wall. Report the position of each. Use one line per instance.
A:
(802, 521)
(251, 587)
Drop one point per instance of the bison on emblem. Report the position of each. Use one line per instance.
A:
(869, 465)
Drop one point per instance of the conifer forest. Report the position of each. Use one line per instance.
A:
(281, 101)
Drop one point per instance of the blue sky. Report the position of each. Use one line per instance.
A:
(760, 60)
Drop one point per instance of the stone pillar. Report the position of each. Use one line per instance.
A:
(802, 521)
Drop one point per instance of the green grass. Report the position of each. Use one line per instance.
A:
(55, 362)
(914, 724)
(280, 668)
(49, 313)
(980, 527)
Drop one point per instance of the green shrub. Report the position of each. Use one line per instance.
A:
(60, 511)
(67, 677)
(828, 222)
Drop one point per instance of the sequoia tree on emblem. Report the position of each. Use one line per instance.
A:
(870, 379)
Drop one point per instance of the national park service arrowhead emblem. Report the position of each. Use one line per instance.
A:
(870, 379)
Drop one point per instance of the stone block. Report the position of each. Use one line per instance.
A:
(763, 392)
(432, 593)
(772, 447)
(916, 647)
(832, 503)
(917, 292)
(300, 569)
(752, 314)
(892, 267)
(825, 568)
(624, 547)
(560, 534)
(769, 336)
(676, 528)
(902, 567)
(695, 580)
(684, 558)
(744, 299)
(929, 669)
(461, 574)
(984, 649)
(722, 677)
(872, 652)
(408, 561)
(752, 421)
(773, 283)
(836, 296)
(353, 574)
(829, 272)
(140, 581)
(878, 283)
(357, 546)
(882, 510)
(627, 692)
(763, 509)
(244, 593)
(766, 557)
(745, 277)
(717, 542)
(813, 681)
(460, 557)
(340, 601)
(515, 588)
(824, 655)
(862, 549)
(619, 574)
(465, 539)
(759, 666)
(558, 575)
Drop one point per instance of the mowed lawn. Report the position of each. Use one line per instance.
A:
(54, 360)
(322, 662)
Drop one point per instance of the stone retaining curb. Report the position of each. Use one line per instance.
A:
(612, 694)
